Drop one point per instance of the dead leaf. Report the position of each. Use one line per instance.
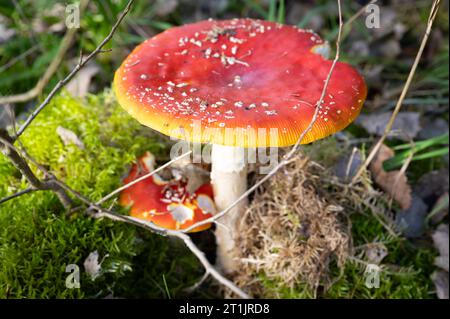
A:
(440, 239)
(406, 124)
(92, 265)
(375, 252)
(440, 279)
(69, 137)
(394, 182)
(79, 85)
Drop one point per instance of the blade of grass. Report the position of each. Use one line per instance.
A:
(281, 12)
(399, 159)
(441, 205)
(438, 140)
(413, 149)
(166, 287)
(160, 25)
(272, 10)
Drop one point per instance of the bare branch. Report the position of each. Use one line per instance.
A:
(398, 106)
(209, 268)
(195, 286)
(22, 192)
(77, 68)
(12, 153)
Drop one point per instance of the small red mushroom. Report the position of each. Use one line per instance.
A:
(166, 203)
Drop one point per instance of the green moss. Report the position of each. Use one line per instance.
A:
(406, 270)
(38, 241)
(407, 267)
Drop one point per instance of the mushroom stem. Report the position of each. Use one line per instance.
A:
(229, 180)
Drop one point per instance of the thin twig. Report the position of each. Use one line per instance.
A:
(22, 192)
(197, 285)
(398, 106)
(291, 153)
(77, 68)
(209, 268)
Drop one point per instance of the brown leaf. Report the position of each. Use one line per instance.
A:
(69, 137)
(440, 239)
(375, 252)
(394, 182)
(440, 279)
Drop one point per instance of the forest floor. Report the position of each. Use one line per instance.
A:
(399, 225)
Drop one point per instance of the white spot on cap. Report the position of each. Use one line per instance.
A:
(206, 204)
(180, 213)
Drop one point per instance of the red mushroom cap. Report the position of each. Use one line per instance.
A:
(166, 203)
(196, 81)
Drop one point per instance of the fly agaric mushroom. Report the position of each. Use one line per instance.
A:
(166, 203)
(225, 82)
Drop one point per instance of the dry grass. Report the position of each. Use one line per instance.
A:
(296, 224)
